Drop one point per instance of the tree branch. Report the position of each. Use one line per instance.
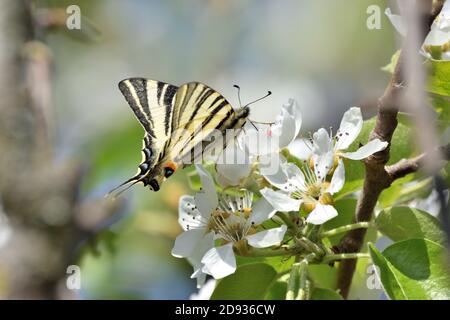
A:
(377, 178)
(407, 166)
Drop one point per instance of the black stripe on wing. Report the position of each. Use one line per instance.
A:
(167, 101)
(151, 102)
(131, 90)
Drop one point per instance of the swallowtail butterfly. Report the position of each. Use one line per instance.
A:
(177, 122)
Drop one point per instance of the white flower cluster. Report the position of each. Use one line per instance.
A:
(218, 225)
(437, 43)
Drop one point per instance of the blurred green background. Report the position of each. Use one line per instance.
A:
(318, 52)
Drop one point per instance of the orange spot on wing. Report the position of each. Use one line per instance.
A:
(172, 165)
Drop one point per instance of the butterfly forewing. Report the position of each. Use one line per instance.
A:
(201, 111)
(152, 103)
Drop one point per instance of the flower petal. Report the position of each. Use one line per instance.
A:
(188, 215)
(436, 37)
(349, 129)
(267, 238)
(197, 254)
(322, 142)
(219, 262)
(293, 108)
(262, 210)
(291, 121)
(232, 174)
(322, 164)
(234, 165)
(280, 200)
(301, 148)
(323, 153)
(200, 276)
(261, 141)
(206, 200)
(397, 21)
(370, 148)
(272, 169)
(321, 214)
(338, 179)
(296, 178)
(187, 242)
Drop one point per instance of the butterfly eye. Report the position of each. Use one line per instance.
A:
(154, 185)
(168, 172)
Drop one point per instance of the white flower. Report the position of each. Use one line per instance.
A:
(271, 138)
(327, 150)
(262, 143)
(231, 219)
(234, 167)
(301, 187)
(439, 34)
(196, 239)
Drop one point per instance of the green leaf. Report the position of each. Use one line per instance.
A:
(441, 105)
(250, 281)
(325, 294)
(390, 67)
(401, 223)
(323, 275)
(439, 77)
(277, 291)
(414, 269)
(280, 264)
(398, 192)
(386, 275)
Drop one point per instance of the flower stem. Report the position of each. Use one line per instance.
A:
(309, 246)
(287, 220)
(342, 256)
(267, 252)
(343, 229)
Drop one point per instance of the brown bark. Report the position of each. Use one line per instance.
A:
(377, 177)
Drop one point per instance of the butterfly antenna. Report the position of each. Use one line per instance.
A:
(259, 99)
(115, 194)
(238, 93)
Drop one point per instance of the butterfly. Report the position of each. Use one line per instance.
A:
(179, 123)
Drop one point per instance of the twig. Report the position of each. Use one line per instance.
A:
(377, 177)
(406, 166)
